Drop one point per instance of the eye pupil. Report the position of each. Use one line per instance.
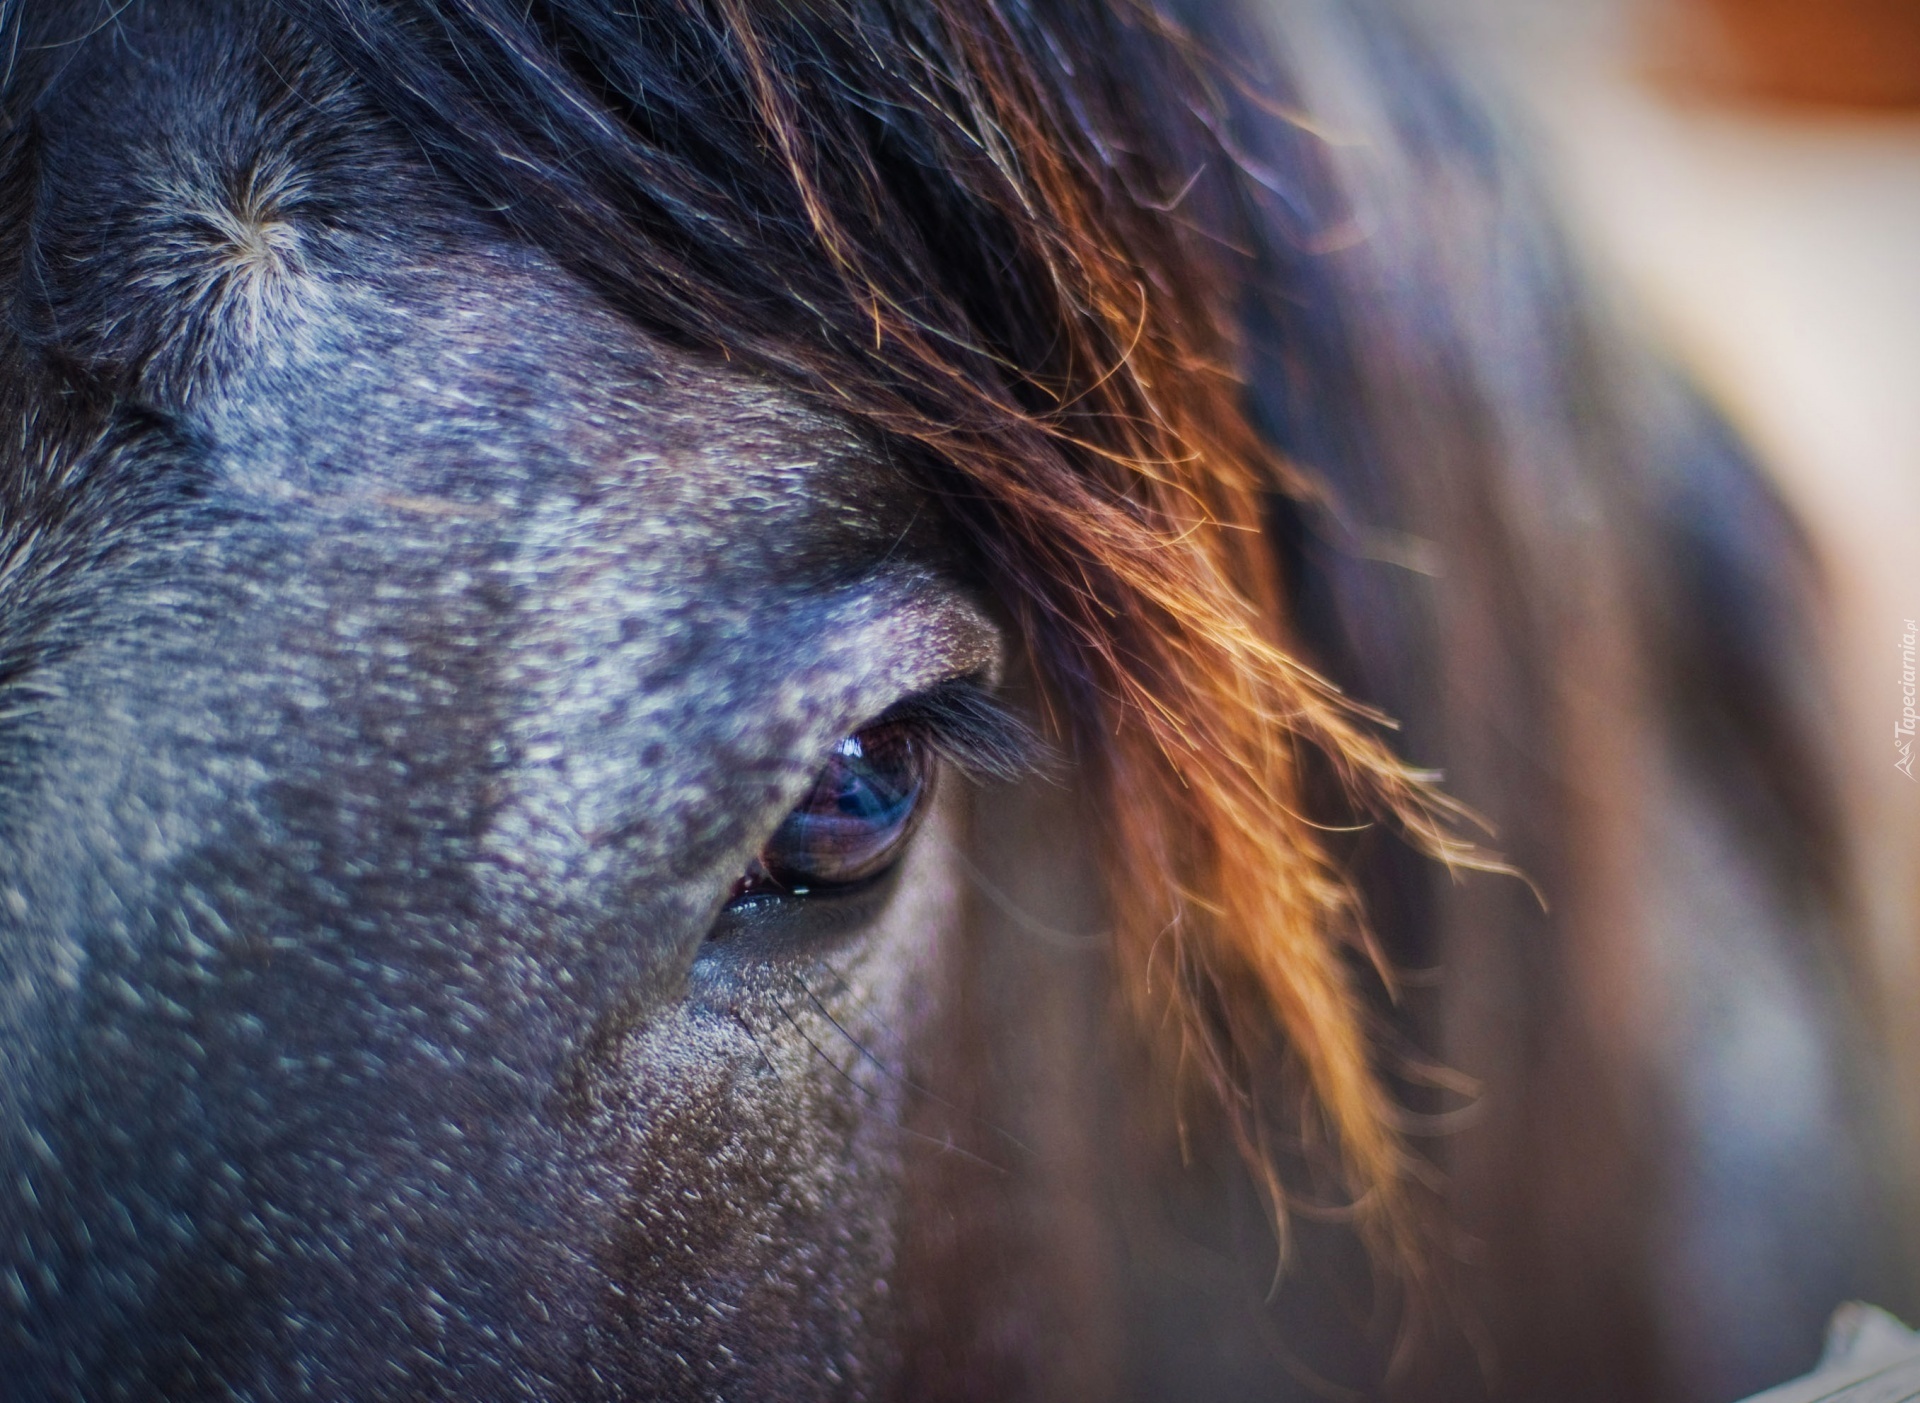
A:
(854, 821)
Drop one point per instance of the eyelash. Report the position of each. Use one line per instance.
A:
(963, 722)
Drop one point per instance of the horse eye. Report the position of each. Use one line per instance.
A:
(855, 820)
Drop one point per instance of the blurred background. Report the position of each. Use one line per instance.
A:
(1746, 175)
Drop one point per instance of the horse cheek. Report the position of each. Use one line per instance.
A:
(756, 1134)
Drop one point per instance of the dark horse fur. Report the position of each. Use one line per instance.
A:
(449, 503)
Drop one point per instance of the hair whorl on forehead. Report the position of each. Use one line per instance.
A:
(1002, 233)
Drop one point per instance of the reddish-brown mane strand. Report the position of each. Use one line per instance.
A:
(957, 223)
(1126, 528)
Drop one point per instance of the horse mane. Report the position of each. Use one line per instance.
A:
(1180, 344)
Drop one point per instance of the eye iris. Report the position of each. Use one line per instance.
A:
(851, 824)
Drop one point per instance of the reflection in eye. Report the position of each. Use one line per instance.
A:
(856, 819)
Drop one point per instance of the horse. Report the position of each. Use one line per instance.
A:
(944, 699)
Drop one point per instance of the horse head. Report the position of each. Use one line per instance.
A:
(675, 719)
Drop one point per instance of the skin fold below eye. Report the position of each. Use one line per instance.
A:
(855, 820)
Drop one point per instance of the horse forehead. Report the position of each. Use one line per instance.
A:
(340, 330)
(491, 393)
